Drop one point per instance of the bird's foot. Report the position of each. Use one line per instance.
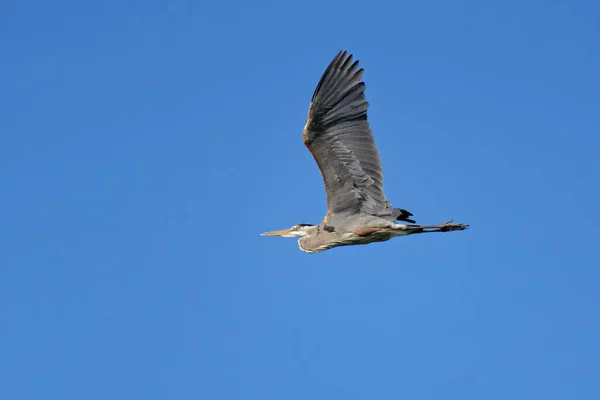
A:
(449, 226)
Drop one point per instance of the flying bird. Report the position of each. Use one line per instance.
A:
(339, 137)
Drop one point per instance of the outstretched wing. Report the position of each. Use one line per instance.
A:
(339, 137)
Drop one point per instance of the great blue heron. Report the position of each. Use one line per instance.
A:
(339, 137)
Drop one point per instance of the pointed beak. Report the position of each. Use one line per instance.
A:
(277, 233)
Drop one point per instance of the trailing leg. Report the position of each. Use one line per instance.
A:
(447, 226)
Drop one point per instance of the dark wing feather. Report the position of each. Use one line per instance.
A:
(339, 137)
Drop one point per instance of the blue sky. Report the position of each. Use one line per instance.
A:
(145, 145)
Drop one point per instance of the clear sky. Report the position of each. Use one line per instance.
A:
(146, 145)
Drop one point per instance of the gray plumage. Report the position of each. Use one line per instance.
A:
(339, 137)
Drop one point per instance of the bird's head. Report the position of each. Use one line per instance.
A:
(299, 230)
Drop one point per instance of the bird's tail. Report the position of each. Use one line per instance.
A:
(403, 215)
(397, 214)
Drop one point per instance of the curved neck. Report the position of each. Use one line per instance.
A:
(313, 241)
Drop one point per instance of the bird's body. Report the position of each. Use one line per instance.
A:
(339, 137)
(343, 230)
